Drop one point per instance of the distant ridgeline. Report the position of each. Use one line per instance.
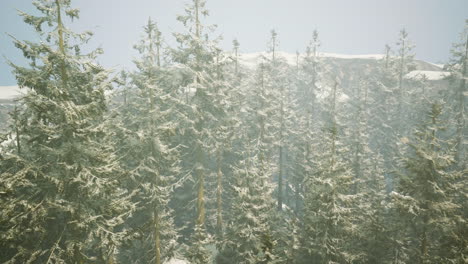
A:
(350, 67)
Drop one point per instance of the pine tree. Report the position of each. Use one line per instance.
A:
(236, 45)
(387, 58)
(279, 89)
(458, 67)
(256, 143)
(248, 236)
(148, 123)
(368, 170)
(306, 110)
(310, 77)
(383, 103)
(428, 192)
(63, 200)
(329, 203)
(200, 57)
(403, 66)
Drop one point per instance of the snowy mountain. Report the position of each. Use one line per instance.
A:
(349, 67)
(251, 59)
(344, 62)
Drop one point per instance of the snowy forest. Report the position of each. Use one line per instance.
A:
(204, 155)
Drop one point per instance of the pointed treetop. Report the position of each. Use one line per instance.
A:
(315, 35)
(404, 43)
(193, 11)
(235, 43)
(273, 34)
(314, 44)
(387, 48)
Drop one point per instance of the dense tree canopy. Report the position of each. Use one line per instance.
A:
(200, 155)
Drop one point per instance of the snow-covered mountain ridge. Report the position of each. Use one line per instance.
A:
(348, 66)
(253, 58)
(249, 60)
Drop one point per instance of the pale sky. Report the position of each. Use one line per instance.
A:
(344, 26)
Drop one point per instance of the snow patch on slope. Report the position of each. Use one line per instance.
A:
(346, 56)
(177, 261)
(429, 75)
(9, 92)
(250, 60)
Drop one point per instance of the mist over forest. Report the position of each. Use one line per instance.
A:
(204, 155)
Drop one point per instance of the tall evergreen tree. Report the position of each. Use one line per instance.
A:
(148, 123)
(63, 201)
(427, 195)
(279, 90)
(368, 170)
(402, 67)
(459, 71)
(200, 58)
(248, 236)
(307, 115)
(329, 206)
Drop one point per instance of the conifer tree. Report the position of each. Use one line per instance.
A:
(428, 193)
(384, 102)
(279, 90)
(224, 119)
(459, 71)
(148, 127)
(307, 115)
(254, 150)
(248, 236)
(403, 66)
(200, 57)
(63, 201)
(387, 58)
(368, 170)
(329, 205)
(309, 78)
(236, 45)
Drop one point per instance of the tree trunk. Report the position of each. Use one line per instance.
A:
(63, 71)
(280, 179)
(219, 202)
(201, 189)
(157, 240)
(17, 132)
(460, 157)
(400, 88)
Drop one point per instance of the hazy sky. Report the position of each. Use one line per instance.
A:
(345, 26)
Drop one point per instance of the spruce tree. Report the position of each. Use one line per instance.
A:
(200, 59)
(330, 217)
(248, 236)
(306, 109)
(148, 121)
(428, 195)
(370, 187)
(63, 201)
(459, 71)
(402, 67)
(279, 89)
